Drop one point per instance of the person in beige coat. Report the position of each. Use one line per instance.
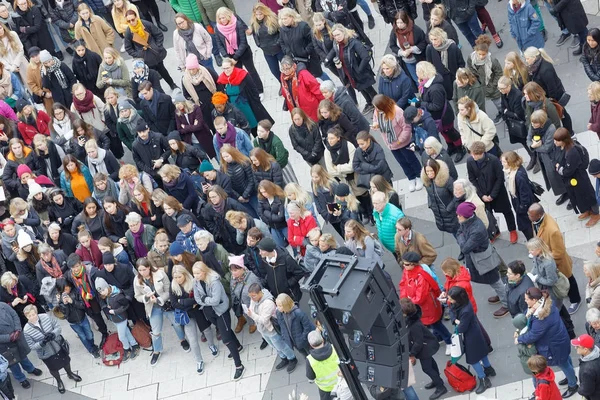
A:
(11, 52)
(94, 30)
(200, 39)
(34, 79)
(475, 126)
(591, 271)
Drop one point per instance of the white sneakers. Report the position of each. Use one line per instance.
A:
(415, 184)
(447, 349)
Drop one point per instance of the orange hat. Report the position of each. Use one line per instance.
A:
(219, 98)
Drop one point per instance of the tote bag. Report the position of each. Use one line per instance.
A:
(486, 260)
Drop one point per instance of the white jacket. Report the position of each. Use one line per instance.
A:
(483, 125)
(201, 39)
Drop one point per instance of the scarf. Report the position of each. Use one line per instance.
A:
(532, 69)
(111, 190)
(511, 183)
(85, 105)
(443, 50)
(339, 152)
(114, 70)
(66, 128)
(55, 69)
(97, 164)
(54, 269)
(188, 37)
(230, 33)
(290, 82)
(219, 208)
(486, 62)
(138, 244)
(229, 137)
(405, 35)
(235, 79)
(138, 29)
(386, 126)
(210, 259)
(131, 121)
(85, 289)
(139, 78)
(267, 144)
(202, 76)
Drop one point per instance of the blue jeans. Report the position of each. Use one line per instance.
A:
(156, 323)
(471, 29)
(408, 161)
(84, 331)
(365, 7)
(125, 335)
(567, 368)
(252, 206)
(486, 363)
(549, 7)
(439, 329)
(273, 63)
(283, 350)
(324, 76)
(412, 70)
(207, 63)
(18, 373)
(280, 236)
(410, 394)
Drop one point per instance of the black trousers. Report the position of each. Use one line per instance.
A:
(246, 61)
(574, 296)
(148, 8)
(505, 209)
(162, 70)
(223, 324)
(430, 368)
(566, 319)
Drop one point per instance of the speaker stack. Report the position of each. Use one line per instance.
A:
(367, 311)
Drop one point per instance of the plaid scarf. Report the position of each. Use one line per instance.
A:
(55, 69)
(290, 97)
(54, 269)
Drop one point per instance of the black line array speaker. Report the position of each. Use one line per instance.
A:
(367, 309)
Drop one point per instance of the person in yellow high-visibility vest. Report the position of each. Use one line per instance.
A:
(322, 366)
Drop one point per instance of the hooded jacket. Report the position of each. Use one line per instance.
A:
(440, 196)
(372, 162)
(399, 87)
(463, 280)
(589, 375)
(121, 277)
(214, 296)
(525, 25)
(546, 388)
(262, 312)
(420, 287)
(117, 302)
(307, 141)
(74, 312)
(515, 295)
(421, 342)
(295, 327)
(145, 153)
(283, 276)
(242, 179)
(342, 99)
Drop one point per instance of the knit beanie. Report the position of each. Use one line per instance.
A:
(108, 258)
(23, 239)
(23, 168)
(45, 56)
(191, 62)
(466, 209)
(101, 284)
(176, 249)
(206, 166)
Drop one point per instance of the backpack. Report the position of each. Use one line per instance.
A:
(154, 184)
(112, 350)
(460, 378)
(141, 334)
(585, 156)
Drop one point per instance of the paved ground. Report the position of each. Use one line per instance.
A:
(174, 377)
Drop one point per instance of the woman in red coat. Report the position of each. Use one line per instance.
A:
(421, 288)
(31, 122)
(299, 88)
(457, 275)
(88, 249)
(299, 223)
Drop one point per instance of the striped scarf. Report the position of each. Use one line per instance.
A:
(82, 282)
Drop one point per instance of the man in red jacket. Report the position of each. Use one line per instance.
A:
(299, 88)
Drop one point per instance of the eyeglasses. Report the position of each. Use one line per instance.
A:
(131, 20)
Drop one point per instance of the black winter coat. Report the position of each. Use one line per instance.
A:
(435, 100)
(589, 379)
(170, 223)
(389, 8)
(296, 42)
(488, 177)
(233, 115)
(155, 52)
(323, 197)
(9, 174)
(571, 15)
(445, 157)
(79, 151)
(440, 193)
(221, 229)
(307, 141)
(460, 11)
(36, 31)
(242, 179)
(268, 43)
(345, 102)
(446, 25)
(222, 180)
(357, 61)
(67, 212)
(420, 41)
(455, 61)
(75, 311)
(475, 344)
(512, 109)
(472, 237)
(183, 190)
(372, 162)
(421, 342)
(242, 41)
(524, 198)
(349, 131)
(152, 211)
(154, 78)
(121, 276)
(86, 69)
(576, 179)
(163, 120)
(111, 162)
(66, 242)
(50, 163)
(59, 94)
(274, 174)
(548, 79)
(272, 214)
(284, 275)
(189, 159)
(63, 17)
(144, 154)
(591, 62)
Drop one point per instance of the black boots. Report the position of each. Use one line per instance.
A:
(371, 21)
(459, 154)
(61, 386)
(483, 385)
(561, 199)
(161, 26)
(489, 371)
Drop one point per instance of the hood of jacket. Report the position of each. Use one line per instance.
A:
(547, 374)
(592, 356)
(462, 276)
(322, 353)
(440, 179)
(396, 74)
(414, 317)
(267, 296)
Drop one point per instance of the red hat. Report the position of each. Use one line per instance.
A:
(584, 341)
(23, 168)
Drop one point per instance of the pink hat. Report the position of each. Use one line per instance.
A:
(23, 168)
(191, 62)
(237, 260)
(466, 209)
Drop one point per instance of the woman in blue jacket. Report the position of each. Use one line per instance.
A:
(179, 185)
(394, 82)
(524, 24)
(549, 335)
(294, 323)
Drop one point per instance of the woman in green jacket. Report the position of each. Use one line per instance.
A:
(272, 144)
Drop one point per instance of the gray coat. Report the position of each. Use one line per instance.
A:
(547, 156)
(547, 275)
(240, 289)
(214, 296)
(10, 322)
(34, 337)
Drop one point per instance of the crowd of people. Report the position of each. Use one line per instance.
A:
(209, 225)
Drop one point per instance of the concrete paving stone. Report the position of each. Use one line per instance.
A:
(93, 390)
(170, 388)
(116, 385)
(139, 380)
(194, 382)
(254, 352)
(146, 392)
(218, 375)
(247, 385)
(223, 391)
(162, 374)
(265, 378)
(254, 396)
(510, 391)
